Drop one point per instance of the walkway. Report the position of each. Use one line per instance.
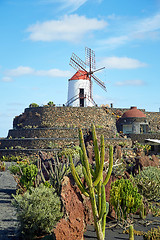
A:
(8, 220)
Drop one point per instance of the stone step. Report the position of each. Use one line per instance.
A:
(41, 143)
(54, 132)
(43, 133)
(26, 152)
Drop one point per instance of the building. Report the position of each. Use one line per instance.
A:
(79, 90)
(133, 121)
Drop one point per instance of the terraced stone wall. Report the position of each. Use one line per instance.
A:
(39, 143)
(33, 146)
(49, 117)
(54, 132)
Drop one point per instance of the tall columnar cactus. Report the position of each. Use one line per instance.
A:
(95, 184)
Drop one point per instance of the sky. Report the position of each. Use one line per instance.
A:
(38, 37)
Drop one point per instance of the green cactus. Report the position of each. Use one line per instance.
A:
(95, 185)
(125, 198)
(142, 211)
(131, 232)
(153, 234)
(148, 183)
(55, 171)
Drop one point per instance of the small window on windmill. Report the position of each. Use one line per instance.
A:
(81, 97)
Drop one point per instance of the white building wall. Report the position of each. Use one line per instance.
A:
(73, 92)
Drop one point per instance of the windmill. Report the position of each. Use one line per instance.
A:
(80, 85)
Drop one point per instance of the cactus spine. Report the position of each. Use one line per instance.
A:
(95, 189)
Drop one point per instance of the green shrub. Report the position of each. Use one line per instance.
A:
(38, 211)
(148, 183)
(50, 103)
(69, 151)
(25, 175)
(14, 169)
(125, 198)
(10, 158)
(33, 105)
(28, 175)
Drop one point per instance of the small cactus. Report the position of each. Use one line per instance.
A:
(142, 211)
(153, 234)
(131, 232)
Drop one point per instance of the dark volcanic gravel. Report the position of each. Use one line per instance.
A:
(8, 220)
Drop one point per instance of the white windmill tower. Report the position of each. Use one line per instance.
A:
(80, 85)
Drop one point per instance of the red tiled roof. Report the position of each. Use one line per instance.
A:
(133, 112)
(80, 75)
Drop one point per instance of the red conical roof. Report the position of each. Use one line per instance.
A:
(80, 75)
(133, 112)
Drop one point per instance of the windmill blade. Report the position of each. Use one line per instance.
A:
(98, 69)
(99, 82)
(90, 58)
(77, 63)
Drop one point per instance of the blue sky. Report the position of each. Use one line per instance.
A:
(37, 39)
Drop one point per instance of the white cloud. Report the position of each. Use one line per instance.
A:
(130, 83)
(7, 79)
(73, 5)
(142, 29)
(148, 24)
(19, 71)
(122, 63)
(22, 71)
(69, 28)
(116, 41)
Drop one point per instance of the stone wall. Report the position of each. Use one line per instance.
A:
(26, 152)
(141, 137)
(59, 132)
(52, 143)
(154, 121)
(48, 117)
(38, 143)
(57, 127)
(51, 117)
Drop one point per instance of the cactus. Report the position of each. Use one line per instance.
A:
(131, 232)
(142, 211)
(153, 234)
(55, 171)
(95, 185)
(148, 183)
(125, 198)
